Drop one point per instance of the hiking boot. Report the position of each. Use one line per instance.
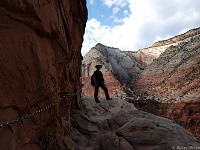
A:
(97, 101)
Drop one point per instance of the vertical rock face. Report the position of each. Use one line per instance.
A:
(40, 44)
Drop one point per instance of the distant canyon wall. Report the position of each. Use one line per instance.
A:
(175, 74)
(173, 79)
(40, 43)
(147, 55)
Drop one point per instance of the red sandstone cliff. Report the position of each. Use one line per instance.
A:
(40, 44)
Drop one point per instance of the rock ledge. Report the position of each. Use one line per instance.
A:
(117, 124)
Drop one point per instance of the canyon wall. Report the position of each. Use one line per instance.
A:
(175, 75)
(173, 79)
(40, 43)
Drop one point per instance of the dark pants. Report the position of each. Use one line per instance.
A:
(97, 90)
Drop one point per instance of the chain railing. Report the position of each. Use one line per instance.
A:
(40, 110)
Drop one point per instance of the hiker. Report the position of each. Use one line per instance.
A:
(98, 81)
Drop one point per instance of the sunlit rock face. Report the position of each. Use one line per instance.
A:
(40, 44)
(174, 79)
(119, 68)
(147, 55)
(175, 75)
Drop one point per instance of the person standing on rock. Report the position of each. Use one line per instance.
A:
(98, 81)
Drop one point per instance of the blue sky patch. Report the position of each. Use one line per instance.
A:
(105, 15)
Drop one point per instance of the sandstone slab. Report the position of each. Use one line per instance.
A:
(118, 125)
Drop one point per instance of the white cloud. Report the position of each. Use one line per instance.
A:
(147, 22)
(126, 13)
(91, 2)
(115, 10)
(120, 3)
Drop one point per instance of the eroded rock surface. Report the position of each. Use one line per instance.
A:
(119, 68)
(117, 125)
(175, 75)
(174, 79)
(40, 56)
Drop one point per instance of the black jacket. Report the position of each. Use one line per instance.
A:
(99, 77)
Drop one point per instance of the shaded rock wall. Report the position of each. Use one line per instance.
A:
(40, 44)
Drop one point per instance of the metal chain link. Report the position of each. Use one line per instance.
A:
(40, 110)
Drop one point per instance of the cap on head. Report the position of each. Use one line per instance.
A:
(98, 66)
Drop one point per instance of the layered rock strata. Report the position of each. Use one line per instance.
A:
(146, 56)
(40, 56)
(174, 79)
(175, 75)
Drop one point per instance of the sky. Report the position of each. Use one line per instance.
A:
(131, 25)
